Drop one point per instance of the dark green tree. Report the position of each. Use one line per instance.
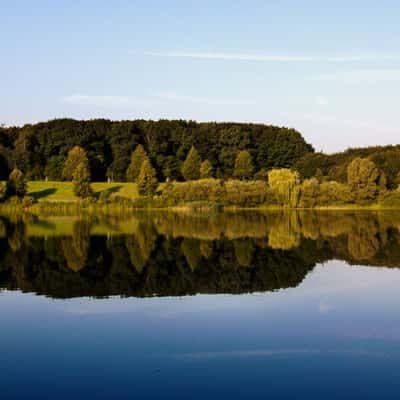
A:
(243, 165)
(81, 181)
(147, 179)
(137, 158)
(206, 170)
(191, 166)
(16, 185)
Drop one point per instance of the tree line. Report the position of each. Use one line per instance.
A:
(40, 150)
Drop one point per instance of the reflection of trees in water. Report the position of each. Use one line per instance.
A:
(364, 240)
(206, 249)
(17, 238)
(285, 232)
(191, 250)
(3, 230)
(140, 245)
(279, 247)
(244, 251)
(76, 248)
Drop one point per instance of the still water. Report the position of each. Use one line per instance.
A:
(241, 305)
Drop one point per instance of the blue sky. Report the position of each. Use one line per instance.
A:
(332, 71)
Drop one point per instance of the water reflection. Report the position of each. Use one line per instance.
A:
(168, 254)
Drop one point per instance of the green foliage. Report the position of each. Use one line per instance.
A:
(81, 181)
(229, 193)
(206, 170)
(76, 156)
(333, 193)
(391, 200)
(41, 149)
(137, 159)
(364, 178)
(176, 193)
(309, 193)
(246, 194)
(285, 184)
(243, 165)
(147, 180)
(16, 185)
(191, 166)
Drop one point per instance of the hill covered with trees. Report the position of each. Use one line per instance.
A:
(40, 150)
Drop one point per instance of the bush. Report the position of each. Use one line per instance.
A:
(334, 194)
(175, 193)
(246, 194)
(391, 199)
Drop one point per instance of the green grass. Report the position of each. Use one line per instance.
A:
(63, 191)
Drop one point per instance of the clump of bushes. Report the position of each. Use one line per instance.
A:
(246, 193)
(232, 192)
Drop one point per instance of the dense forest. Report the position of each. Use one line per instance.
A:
(40, 150)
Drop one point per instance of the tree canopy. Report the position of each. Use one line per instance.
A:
(40, 150)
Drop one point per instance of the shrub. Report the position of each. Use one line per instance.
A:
(176, 193)
(246, 194)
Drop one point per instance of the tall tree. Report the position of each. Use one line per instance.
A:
(191, 166)
(243, 165)
(81, 181)
(76, 156)
(16, 185)
(206, 169)
(137, 158)
(147, 180)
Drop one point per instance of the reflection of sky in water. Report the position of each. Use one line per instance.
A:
(335, 335)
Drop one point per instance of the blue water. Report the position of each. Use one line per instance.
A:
(336, 335)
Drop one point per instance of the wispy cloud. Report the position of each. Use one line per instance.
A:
(377, 75)
(268, 57)
(100, 101)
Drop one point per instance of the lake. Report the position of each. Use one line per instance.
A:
(194, 306)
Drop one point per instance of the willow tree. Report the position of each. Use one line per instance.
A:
(191, 166)
(285, 184)
(137, 159)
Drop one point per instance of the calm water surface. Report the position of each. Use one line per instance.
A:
(272, 305)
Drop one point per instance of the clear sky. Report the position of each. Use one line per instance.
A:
(329, 69)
